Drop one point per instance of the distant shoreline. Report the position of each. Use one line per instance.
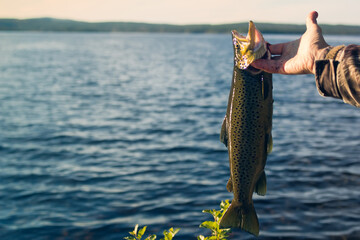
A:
(63, 25)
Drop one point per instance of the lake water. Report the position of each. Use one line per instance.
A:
(101, 131)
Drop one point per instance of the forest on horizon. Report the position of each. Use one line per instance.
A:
(63, 25)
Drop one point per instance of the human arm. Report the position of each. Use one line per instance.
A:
(336, 69)
(296, 57)
(337, 73)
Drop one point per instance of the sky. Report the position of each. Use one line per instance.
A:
(186, 11)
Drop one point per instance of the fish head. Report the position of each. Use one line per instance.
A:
(248, 49)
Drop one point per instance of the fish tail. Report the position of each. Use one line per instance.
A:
(251, 222)
(240, 216)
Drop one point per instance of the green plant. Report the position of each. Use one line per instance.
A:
(168, 235)
(216, 232)
(137, 235)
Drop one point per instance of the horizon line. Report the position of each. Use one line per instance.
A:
(175, 24)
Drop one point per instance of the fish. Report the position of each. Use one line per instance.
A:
(246, 130)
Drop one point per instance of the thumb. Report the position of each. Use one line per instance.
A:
(311, 20)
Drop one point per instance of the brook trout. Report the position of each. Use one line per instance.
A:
(246, 130)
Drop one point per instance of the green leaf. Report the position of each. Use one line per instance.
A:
(175, 231)
(218, 215)
(201, 237)
(168, 235)
(216, 232)
(210, 225)
(141, 232)
(129, 238)
(209, 211)
(225, 230)
(224, 204)
(213, 238)
(151, 237)
(136, 229)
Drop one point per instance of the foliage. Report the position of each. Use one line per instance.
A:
(216, 232)
(137, 235)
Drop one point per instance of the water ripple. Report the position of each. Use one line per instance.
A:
(102, 131)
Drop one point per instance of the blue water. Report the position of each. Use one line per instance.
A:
(99, 132)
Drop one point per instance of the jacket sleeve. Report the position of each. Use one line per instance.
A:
(337, 73)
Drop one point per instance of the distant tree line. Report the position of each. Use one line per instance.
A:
(51, 24)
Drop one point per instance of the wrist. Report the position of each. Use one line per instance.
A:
(322, 53)
(329, 52)
(332, 54)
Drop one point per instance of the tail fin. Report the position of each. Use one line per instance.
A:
(239, 216)
(251, 222)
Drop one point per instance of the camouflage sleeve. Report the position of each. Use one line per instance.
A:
(338, 73)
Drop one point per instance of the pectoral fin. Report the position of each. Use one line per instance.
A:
(229, 185)
(223, 133)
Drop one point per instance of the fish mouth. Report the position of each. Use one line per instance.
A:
(248, 49)
(254, 38)
(237, 35)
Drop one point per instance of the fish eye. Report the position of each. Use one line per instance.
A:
(236, 44)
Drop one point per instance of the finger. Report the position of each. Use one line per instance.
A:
(311, 19)
(276, 57)
(270, 66)
(276, 49)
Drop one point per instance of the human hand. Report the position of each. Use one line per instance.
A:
(296, 57)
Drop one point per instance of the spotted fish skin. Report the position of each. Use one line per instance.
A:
(246, 132)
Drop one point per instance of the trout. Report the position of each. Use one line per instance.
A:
(246, 130)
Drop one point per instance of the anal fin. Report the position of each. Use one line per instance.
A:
(269, 143)
(260, 187)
